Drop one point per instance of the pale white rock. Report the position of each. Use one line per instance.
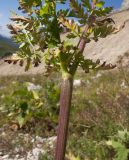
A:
(98, 75)
(78, 82)
(33, 140)
(39, 139)
(51, 141)
(52, 138)
(5, 157)
(123, 85)
(34, 155)
(1, 153)
(17, 156)
(32, 87)
(3, 134)
(37, 151)
(38, 143)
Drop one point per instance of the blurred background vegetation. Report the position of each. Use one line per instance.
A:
(7, 46)
(100, 110)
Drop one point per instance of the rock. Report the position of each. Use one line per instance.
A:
(37, 151)
(39, 139)
(33, 140)
(97, 76)
(5, 157)
(78, 82)
(3, 134)
(32, 87)
(123, 85)
(1, 153)
(40, 146)
(52, 139)
(17, 156)
(34, 154)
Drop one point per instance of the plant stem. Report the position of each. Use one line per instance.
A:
(65, 103)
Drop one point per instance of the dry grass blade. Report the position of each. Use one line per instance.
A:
(20, 18)
(14, 29)
(105, 66)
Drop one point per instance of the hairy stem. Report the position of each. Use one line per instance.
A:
(65, 103)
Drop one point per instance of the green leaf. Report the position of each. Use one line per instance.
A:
(24, 106)
(43, 25)
(21, 120)
(100, 4)
(122, 154)
(121, 151)
(22, 45)
(71, 36)
(44, 10)
(87, 4)
(35, 95)
(107, 10)
(77, 8)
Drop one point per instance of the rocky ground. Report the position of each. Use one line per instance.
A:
(19, 146)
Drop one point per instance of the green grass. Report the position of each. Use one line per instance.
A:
(99, 109)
